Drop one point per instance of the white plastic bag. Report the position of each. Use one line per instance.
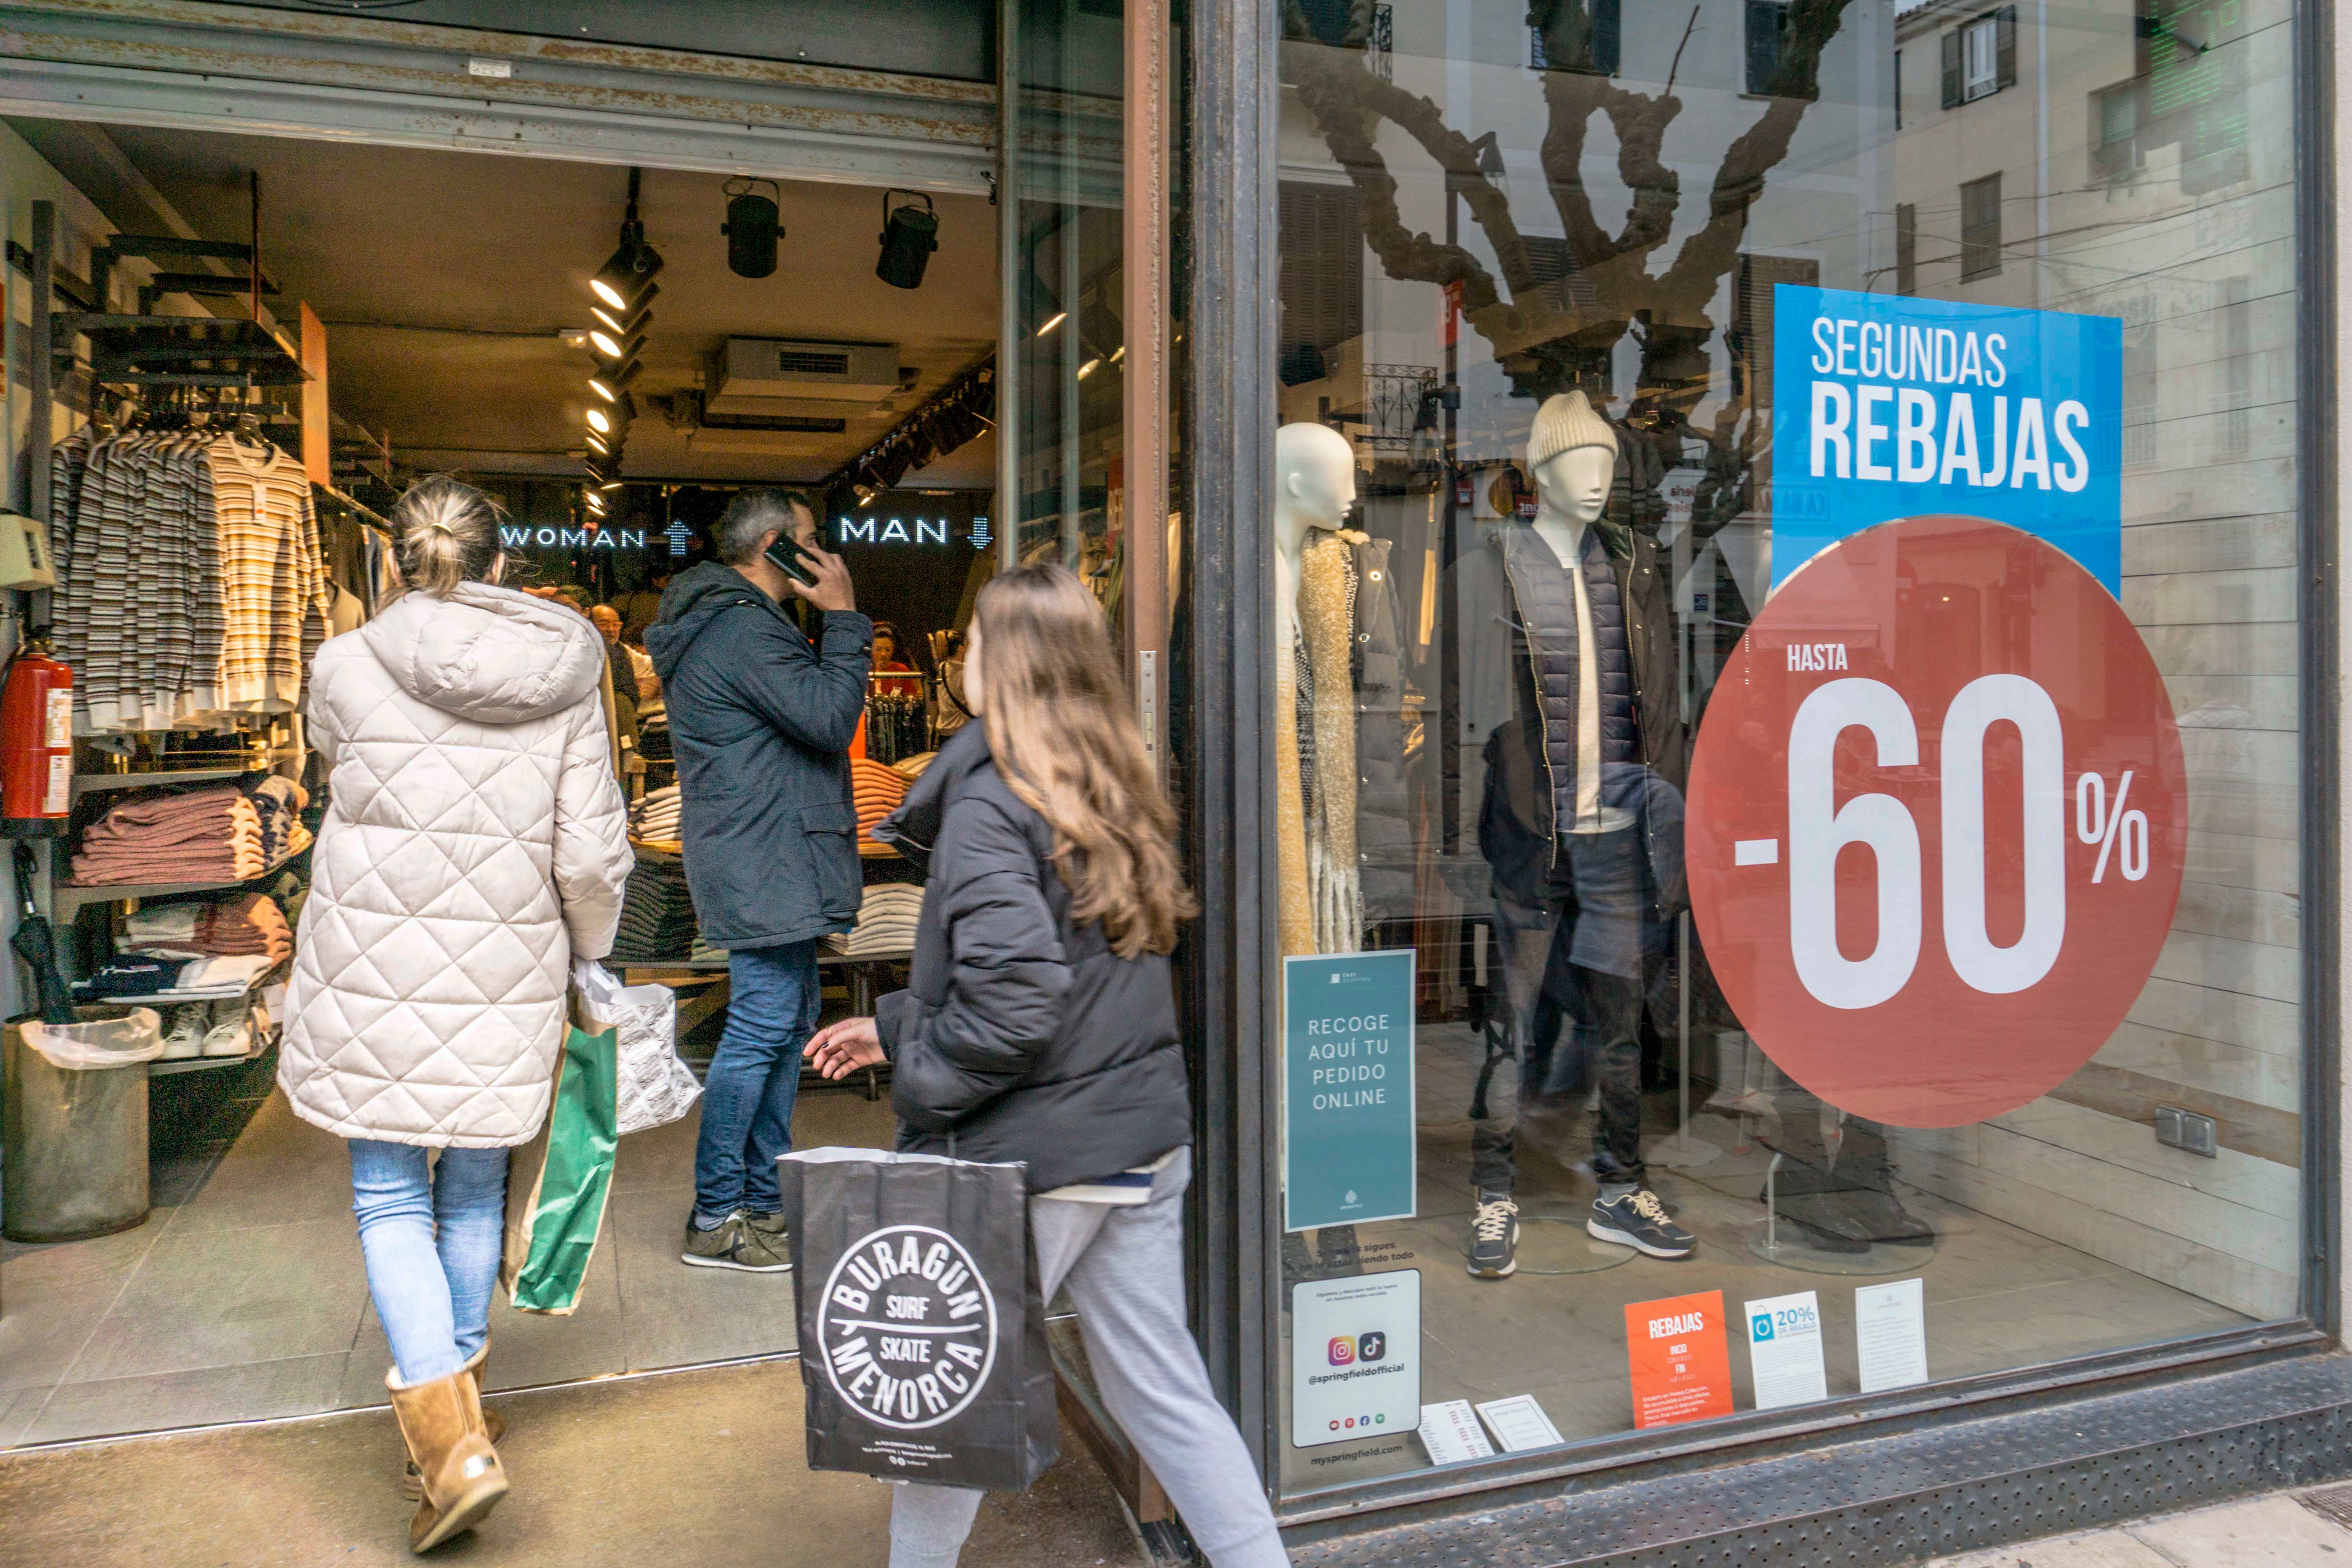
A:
(655, 1087)
(125, 1042)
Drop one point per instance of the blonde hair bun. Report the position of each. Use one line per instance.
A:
(447, 534)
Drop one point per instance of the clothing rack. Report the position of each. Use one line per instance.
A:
(191, 365)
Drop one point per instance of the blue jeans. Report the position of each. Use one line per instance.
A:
(755, 1075)
(431, 1240)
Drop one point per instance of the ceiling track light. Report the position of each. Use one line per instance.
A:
(600, 422)
(1038, 304)
(612, 384)
(752, 229)
(621, 324)
(624, 280)
(615, 352)
(908, 236)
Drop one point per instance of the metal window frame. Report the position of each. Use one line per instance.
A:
(1229, 288)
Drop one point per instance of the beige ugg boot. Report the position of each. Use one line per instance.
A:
(412, 1484)
(442, 1423)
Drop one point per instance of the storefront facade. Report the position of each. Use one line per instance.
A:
(1512, 288)
(1745, 633)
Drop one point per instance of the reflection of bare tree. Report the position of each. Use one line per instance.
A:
(1545, 335)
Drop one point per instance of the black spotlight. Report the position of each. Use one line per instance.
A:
(1041, 312)
(752, 229)
(910, 235)
(621, 283)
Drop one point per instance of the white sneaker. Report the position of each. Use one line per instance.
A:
(231, 1033)
(185, 1033)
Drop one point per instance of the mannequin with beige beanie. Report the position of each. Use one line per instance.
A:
(1579, 823)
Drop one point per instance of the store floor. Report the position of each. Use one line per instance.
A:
(703, 1467)
(243, 1296)
(1997, 1296)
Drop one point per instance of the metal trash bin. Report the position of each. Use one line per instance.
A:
(73, 1125)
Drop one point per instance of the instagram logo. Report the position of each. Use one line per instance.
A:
(1342, 1350)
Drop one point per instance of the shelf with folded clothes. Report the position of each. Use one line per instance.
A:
(216, 836)
(69, 897)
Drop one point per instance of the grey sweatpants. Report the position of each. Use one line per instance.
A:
(1125, 1268)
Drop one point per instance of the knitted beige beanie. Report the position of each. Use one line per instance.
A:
(1564, 421)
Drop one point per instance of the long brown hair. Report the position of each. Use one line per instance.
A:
(1065, 741)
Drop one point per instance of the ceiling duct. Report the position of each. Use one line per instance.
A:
(763, 375)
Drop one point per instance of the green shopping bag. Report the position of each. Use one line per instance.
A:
(557, 1183)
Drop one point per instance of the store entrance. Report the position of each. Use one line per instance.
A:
(426, 311)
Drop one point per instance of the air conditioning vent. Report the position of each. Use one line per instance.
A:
(754, 375)
(808, 362)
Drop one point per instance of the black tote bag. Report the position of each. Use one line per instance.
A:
(923, 1353)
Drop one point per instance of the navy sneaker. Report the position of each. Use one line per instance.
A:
(1494, 1237)
(1637, 1219)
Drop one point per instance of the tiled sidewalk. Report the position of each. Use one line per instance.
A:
(2281, 1531)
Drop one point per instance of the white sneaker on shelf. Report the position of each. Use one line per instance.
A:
(231, 1033)
(185, 1032)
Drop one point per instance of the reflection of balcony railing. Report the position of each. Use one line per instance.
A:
(2139, 441)
(1394, 397)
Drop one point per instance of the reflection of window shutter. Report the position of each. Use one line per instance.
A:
(2005, 48)
(1763, 43)
(1952, 68)
(1605, 36)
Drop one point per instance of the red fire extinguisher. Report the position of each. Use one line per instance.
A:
(35, 743)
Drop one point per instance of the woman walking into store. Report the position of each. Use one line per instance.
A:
(475, 842)
(1040, 1026)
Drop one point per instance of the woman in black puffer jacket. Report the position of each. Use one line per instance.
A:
(1040, 1027)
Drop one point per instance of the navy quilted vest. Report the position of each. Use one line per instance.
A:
(1544, 645)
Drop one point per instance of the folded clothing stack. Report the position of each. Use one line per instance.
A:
(246, 924)
(146, 977)
(203, 836)
(912, 767)
(878, 788)
(656, 817)
(887, 917)
(656, 915)
(249, 923)
(279, 803)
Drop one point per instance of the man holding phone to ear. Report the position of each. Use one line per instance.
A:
(760, 718)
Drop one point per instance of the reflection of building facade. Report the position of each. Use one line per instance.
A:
(2107, 169)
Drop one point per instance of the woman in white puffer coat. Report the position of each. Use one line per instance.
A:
(475, 842)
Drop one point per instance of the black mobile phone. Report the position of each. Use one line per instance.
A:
(791, 557)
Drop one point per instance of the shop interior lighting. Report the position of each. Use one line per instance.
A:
(910, 235)
(1088, 368)
(612, 385)
(1039, 304)
(1118, 353)
(752, 229)
(614, 351)
(621, 324)
(600, 422)
(623, 282)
